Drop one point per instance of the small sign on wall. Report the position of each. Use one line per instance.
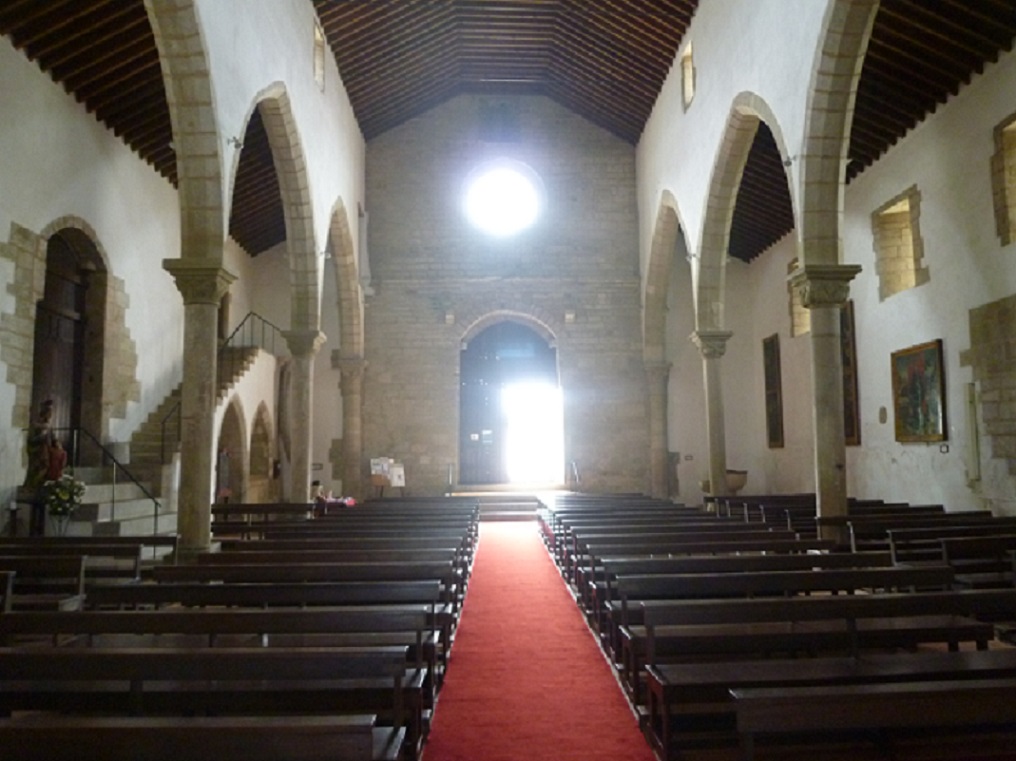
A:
(397, 474)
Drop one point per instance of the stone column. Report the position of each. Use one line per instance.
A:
(713, 344)
(657, 375)
(303, 346)
(824, 290)
(202, 284)
(351, 370)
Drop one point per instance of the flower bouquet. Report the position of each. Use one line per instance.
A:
(63, 496)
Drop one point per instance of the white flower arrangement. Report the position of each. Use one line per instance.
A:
(63, 496)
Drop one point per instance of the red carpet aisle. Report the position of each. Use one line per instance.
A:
(526, 680)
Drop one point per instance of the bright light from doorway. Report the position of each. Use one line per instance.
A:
(502, 198)
(534, 437)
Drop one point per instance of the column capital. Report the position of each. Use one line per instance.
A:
(303, 343)
(201, 281)
(823, 285)
(712, 343)
(349, 366)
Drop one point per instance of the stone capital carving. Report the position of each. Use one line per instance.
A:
(712, 343)
(200, 281)
(349, 367)
(303, 343)
(823, 285)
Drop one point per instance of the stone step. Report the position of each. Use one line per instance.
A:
(140, 525)
(127, 509)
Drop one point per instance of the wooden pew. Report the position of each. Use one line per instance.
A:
(975, 704)
(42, 582)
(689, 690)
(48, 737)
(602, 592)
(106, 562)
(629, 638)
(923, 545)
(689, 704)
(220, 631)
(6, 590)
(980, 561)
(182, 682)
(436, 641)
(156, 546)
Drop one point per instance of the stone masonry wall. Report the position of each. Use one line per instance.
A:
(434, 278)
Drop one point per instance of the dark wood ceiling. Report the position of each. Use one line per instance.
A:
(603, 59)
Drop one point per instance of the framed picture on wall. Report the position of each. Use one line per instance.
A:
(773, 390)
(919, 392)
(851, 407)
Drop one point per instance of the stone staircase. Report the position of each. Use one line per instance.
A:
(147, 442)
(113, 505)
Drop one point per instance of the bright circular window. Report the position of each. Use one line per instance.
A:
(503, 197)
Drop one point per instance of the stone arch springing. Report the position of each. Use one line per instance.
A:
(191, 100)
(340, 243)
(233, 474)
(276, 111)
(747, 111)
(830, 112)
(666, 235)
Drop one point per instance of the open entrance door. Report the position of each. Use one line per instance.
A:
(510, 417)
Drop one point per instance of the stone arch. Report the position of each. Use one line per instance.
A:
(830, 112)
(747, 111)
(260, 462)
(340, 243)
(538, 323)
(234, 473)
(109, 357)
(191, 100)
(666, 234)
(291, 170)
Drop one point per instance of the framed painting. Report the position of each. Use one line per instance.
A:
(773, 390)
(919, 393)
(848, 349)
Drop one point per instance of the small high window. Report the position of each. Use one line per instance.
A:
(319, 56)
(899, 249)
(687, 76)
(1003, 180)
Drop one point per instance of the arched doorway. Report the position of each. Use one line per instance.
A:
(231, 457)
(510, 414)
(69, 337)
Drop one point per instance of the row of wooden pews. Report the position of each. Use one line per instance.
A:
(328, 643)
(722, 641)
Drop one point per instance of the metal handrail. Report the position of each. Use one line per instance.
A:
(254, 331)
(75, 434)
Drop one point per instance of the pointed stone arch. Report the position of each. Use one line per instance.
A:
(340, 244)
(262, 455)
(189, 94)
(830, 113)
(747, 111)
(666, 234)
(276, 111)
(233, 474)
(538, 323)
(109, 358)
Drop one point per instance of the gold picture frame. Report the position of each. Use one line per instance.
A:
(918, 378)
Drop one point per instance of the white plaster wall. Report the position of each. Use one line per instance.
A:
(947, 158)
(254, 44)
(256, 385)
(766, 47)
(327, 398)
(57, 160)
